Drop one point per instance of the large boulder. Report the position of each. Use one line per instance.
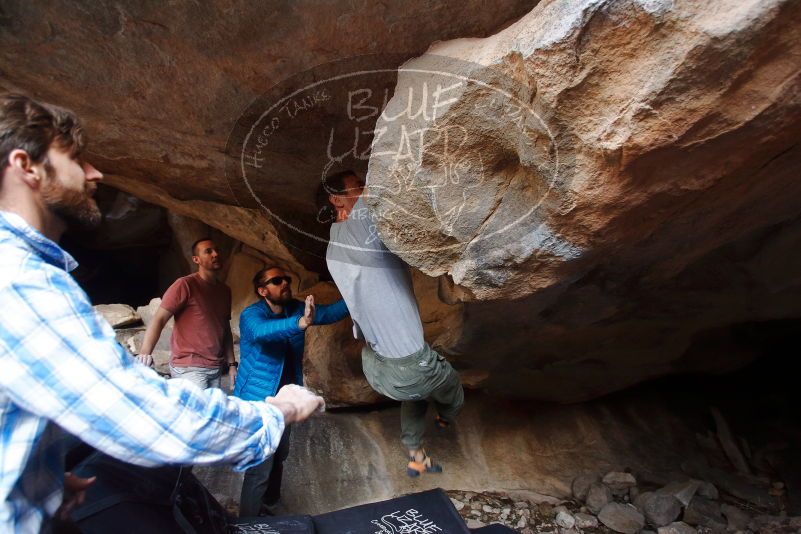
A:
(160, 124)
(609, 187)
(598, 194)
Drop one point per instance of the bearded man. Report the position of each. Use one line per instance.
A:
(272, 337)
(63, 370)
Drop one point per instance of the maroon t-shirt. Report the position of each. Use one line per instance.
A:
(202, 313)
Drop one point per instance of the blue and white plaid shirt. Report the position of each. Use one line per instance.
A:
(61, 368)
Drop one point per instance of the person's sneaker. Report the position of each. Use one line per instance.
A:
(440, 423)
(415, 468)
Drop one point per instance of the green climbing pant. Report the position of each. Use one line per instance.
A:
(415, 380)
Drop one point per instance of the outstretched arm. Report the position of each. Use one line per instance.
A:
(64, 364)
(331, 313)
(257, 325)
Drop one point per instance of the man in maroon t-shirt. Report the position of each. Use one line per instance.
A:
(201, 339)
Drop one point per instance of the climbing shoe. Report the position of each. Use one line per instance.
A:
(415, 468)
(440, 423)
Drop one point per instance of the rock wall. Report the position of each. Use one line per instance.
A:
(161, 86)
(654, 131)
(608, 194)
(497, 445)
(604, 185)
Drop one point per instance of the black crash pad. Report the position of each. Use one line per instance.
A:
(493, 529)
(130, 499)
(290, 524)
(428, 512)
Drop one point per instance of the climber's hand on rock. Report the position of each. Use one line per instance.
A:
(308, 314)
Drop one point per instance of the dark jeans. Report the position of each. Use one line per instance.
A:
(262, 482)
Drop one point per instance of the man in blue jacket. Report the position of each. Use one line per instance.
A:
(272, 334)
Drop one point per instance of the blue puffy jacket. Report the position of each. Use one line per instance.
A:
(267, 338)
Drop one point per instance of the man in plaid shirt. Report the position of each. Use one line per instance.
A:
(62, 369)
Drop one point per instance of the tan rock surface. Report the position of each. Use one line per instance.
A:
(627, 117)
(118, 315)
(348, 458)
(623, 212)
(147, 312)
(612, 195)
(332, 362)
(160, 96)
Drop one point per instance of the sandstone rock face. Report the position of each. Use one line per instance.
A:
(496, 445)
(567, 131)
(333, 366)
(626, 172)
(600, 193)
(160, 123)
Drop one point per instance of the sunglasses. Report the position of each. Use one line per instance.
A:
(277, 280)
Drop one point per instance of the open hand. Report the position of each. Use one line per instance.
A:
(308, 314)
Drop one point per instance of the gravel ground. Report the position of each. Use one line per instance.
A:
(479, 509)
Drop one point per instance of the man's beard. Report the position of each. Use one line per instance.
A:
(73, 207)
(282, 300)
